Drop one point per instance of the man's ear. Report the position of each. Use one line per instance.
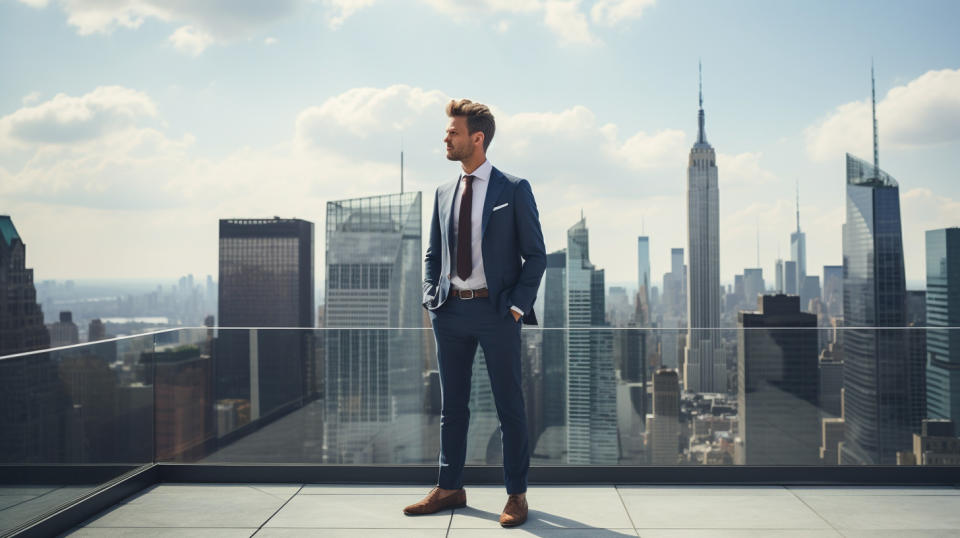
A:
(480, 133)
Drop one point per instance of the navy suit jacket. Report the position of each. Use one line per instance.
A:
(514, 256)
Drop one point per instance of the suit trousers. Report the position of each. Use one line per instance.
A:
(458, 326)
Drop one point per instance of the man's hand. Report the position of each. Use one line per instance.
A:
(516, 315)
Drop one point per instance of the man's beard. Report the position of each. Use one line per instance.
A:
(459, 154)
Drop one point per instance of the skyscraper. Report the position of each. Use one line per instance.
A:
(663, 425)
(643, 280)
(881, 412)
(778, 276)
(266, 280)
(777, 389)
(591, 386)
(21, 318)
(798, 252)
(555, 338)
(374, 283)
(753, 285)
(704, 370)
(943, 310)
(833, 289)
(790, 278)
(64, 332)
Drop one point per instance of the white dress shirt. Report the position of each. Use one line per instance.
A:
(477, 278)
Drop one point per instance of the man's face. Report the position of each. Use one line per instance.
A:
(460, 145)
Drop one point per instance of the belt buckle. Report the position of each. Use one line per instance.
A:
(465, 291)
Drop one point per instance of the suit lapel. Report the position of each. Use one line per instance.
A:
(497, 183)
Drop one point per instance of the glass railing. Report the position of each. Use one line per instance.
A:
(594, 396)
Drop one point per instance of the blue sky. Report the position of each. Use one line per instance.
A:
(142, 122)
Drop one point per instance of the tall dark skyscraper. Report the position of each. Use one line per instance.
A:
(663, 424)
(778, 378)
(555, 339)
(374, 285)
(21, 318)
(266, 280)
(881, 412)
(943, 310)
(704, 369)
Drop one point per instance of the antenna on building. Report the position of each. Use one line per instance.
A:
(401, 164)
(758, 241)
(700, 80)
(873, 98)
(798, 205)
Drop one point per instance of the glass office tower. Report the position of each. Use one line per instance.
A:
(374, 375)
(881, 409)
(943, 310)
(591, 386)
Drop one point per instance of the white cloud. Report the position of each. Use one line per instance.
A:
(190, 40)
(612, 12)
(270, 41)
(65, 119)
(341, 10)
(347, 146)
(743, 168)
(566, 20)
(31, 98)
(924, 112)
(208, 21)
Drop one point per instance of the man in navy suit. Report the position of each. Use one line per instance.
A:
(482, 270)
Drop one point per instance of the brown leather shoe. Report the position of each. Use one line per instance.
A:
(515, 512)
(434, 503)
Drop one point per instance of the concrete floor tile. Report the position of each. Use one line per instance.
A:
(873, 490)
(901, 533)
(175, 488)
(364, 489)
(355, 511)
(891, 512)
(543, 532)
(569, 508)
(721, 512)
(738, 533)
(138, 532)
(703, 490)
(274, 532)
(209, 506)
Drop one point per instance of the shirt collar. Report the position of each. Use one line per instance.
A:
(482, 172)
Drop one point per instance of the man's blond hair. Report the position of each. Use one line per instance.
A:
(479, 118)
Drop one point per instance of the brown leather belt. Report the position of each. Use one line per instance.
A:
(470, 294)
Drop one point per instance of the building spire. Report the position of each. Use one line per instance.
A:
(798, 206)
(873, 98)
(401, 164)
(701, 133)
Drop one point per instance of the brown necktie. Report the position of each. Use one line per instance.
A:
(464, 243)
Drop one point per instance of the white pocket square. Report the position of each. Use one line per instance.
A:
(501, 206)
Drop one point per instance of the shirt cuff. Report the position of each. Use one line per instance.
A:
(517, 310)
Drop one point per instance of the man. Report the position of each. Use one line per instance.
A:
(481, 273)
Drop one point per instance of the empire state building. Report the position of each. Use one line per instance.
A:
(704, 368)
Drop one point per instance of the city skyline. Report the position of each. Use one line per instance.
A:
(180, 156)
